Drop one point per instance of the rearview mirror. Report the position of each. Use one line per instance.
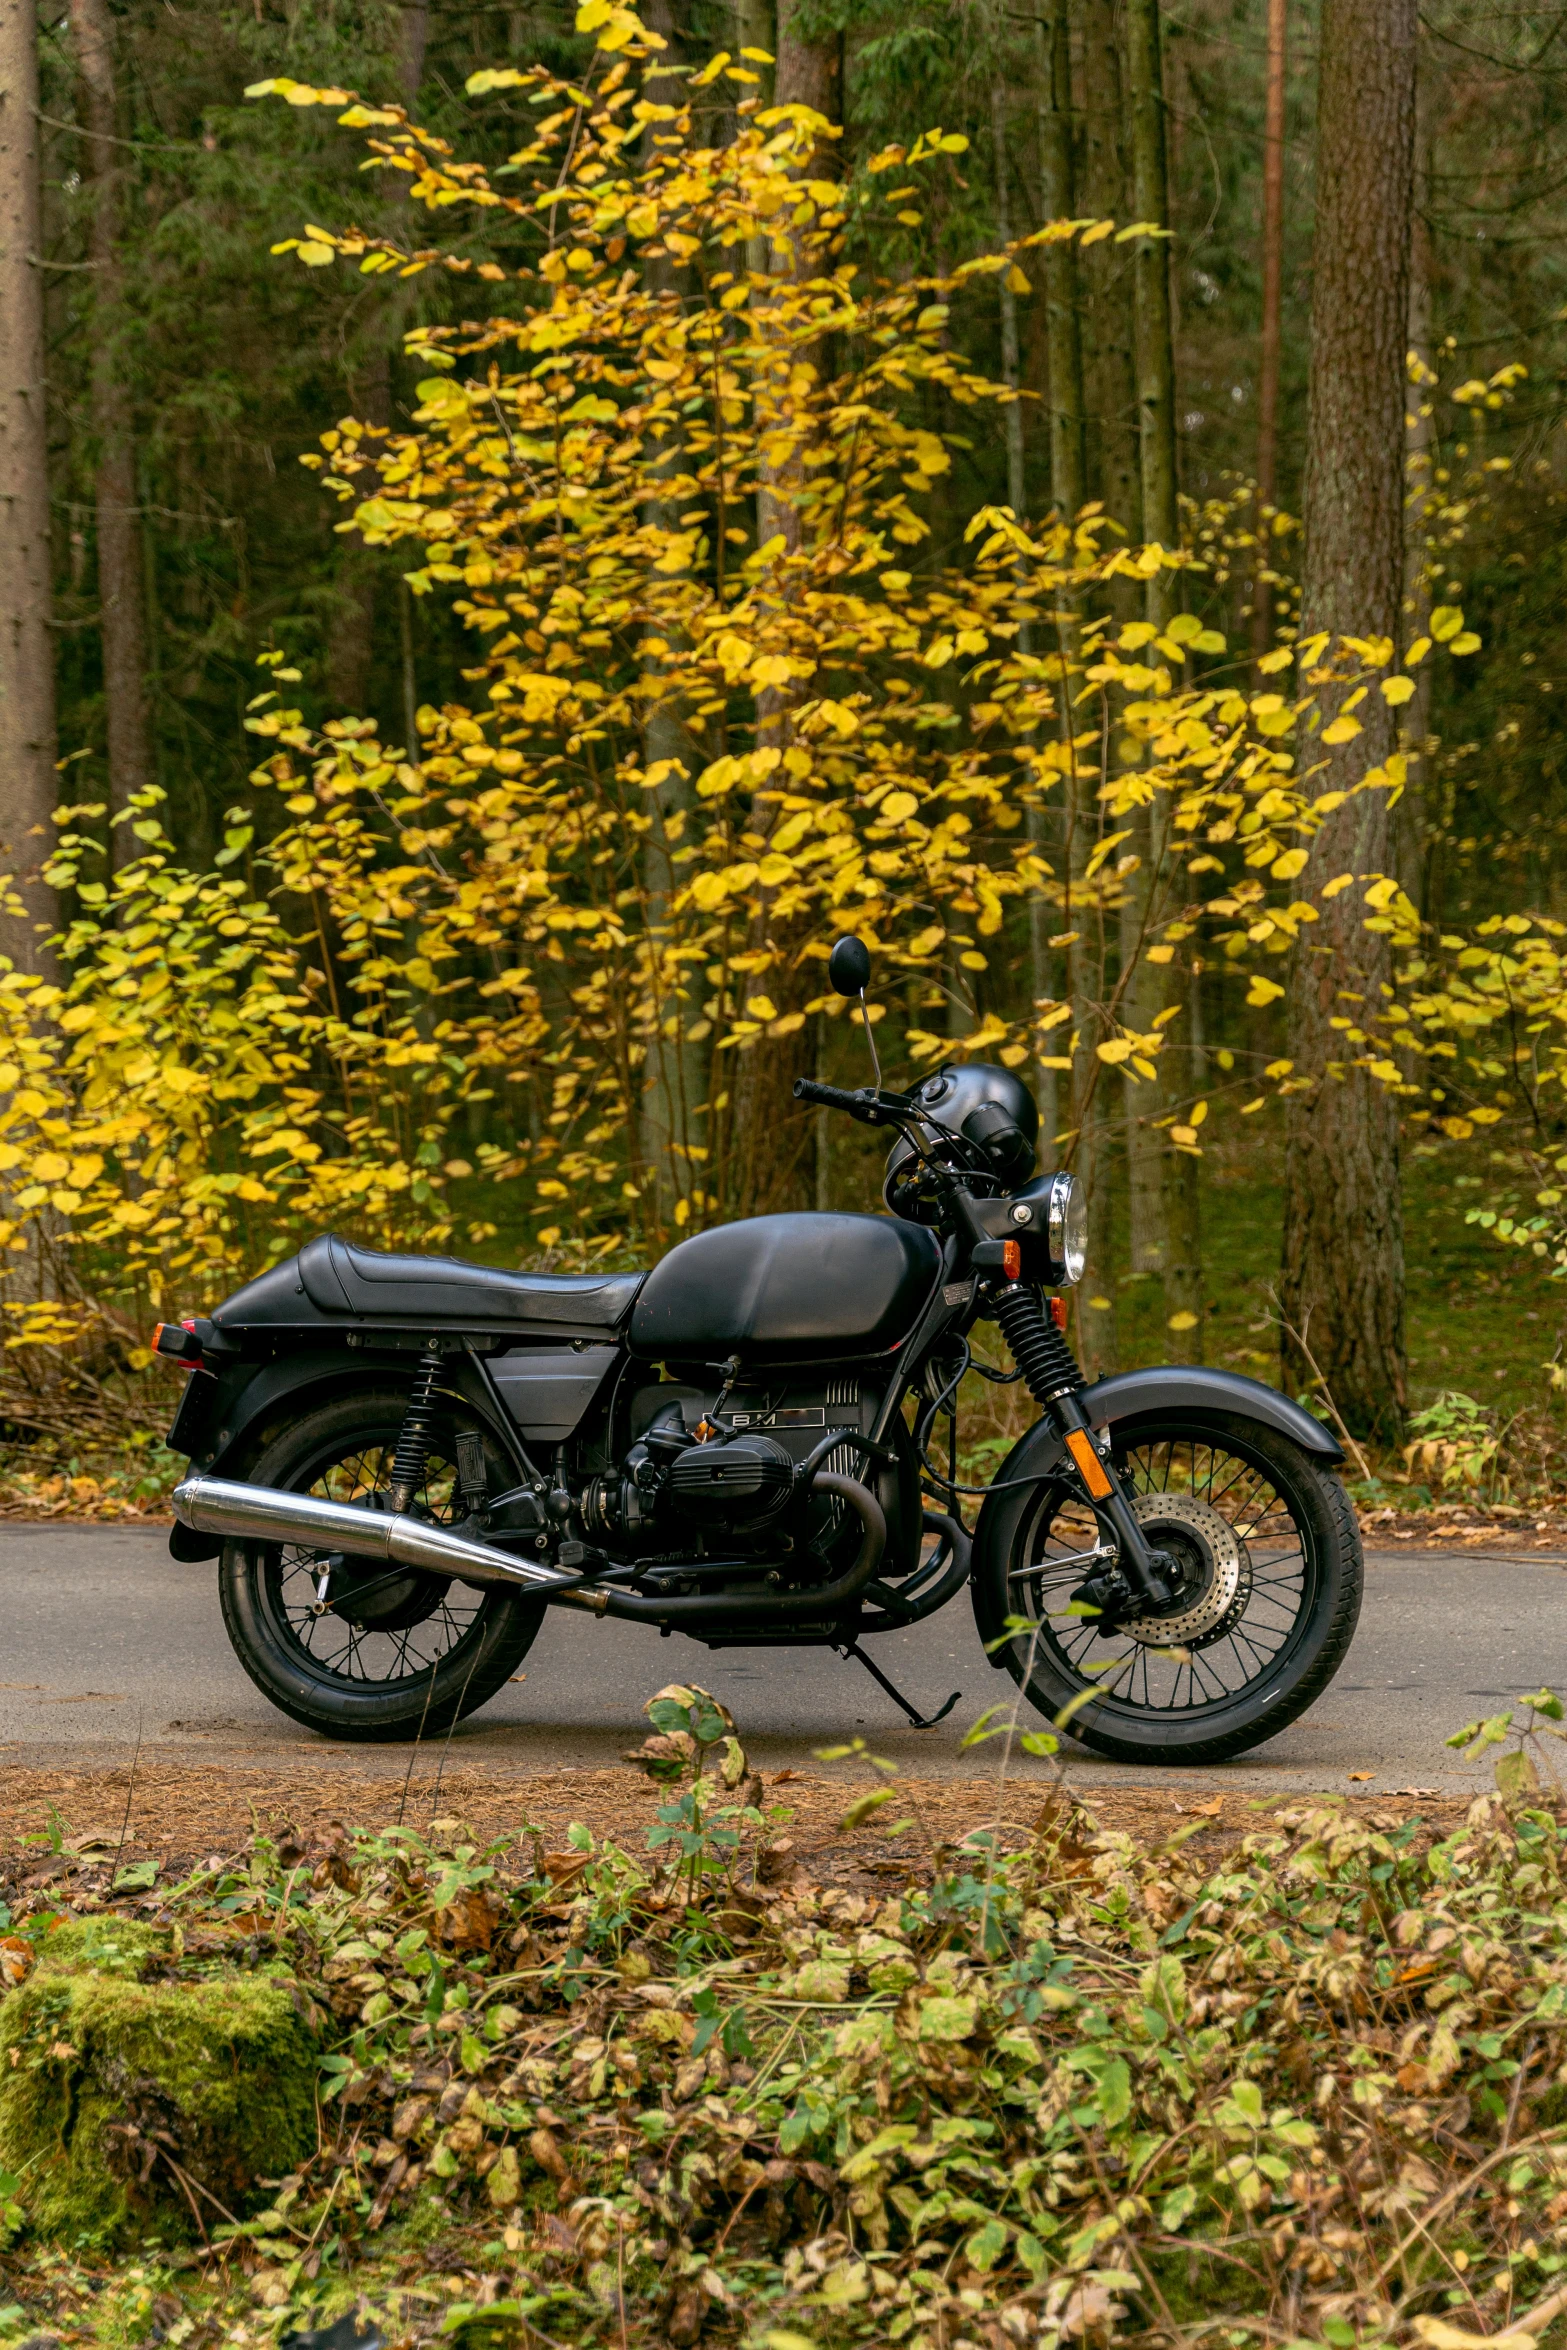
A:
(849, 967)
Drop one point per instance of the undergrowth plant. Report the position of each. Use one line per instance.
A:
(1061, 2089)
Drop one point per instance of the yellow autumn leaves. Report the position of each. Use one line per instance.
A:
(724, 698)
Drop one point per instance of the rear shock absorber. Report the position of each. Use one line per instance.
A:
(415, 1436)
(1039, 1349)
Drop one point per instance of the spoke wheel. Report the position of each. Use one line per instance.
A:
(346, 1645)
(1270, 1566)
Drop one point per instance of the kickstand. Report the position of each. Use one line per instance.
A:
(918, 1719)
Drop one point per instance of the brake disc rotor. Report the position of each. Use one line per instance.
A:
(1215, 1571)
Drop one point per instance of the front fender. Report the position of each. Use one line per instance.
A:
(1190, 1387)
(1114, 1403)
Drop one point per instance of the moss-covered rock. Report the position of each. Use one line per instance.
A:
(128, 2107)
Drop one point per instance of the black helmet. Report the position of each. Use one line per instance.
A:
(995, 1114)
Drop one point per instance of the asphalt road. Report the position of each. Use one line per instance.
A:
(104, 1641)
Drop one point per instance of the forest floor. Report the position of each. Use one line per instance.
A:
(408, 2227)
(73, 1830)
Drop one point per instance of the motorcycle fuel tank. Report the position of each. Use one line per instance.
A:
(796, 1288)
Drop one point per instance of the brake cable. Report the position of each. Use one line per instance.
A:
(926, 1421)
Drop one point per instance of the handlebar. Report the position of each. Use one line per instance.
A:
(871, 1108)
(831, 1097)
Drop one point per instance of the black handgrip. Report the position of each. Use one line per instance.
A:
(831, 1097)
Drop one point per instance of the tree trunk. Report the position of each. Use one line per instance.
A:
(1415, 732)
(28, 784)
(1112, 384)
(1058, 201)
(1017, 448)
(122, 622)
(1144, 983)
(774, 1161)
(1111, 477)
(413, 40)
(809, 72)
(1041, 975)
(674, 1070)
(1151, 299)
(350, 643)
(1343, 1270)
(1272, 319)
(1162, 1183)
(1063, 406)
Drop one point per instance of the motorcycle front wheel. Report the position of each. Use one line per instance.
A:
(1272, 1574)
(387, 1656)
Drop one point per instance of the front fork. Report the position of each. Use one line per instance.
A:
(1049, 1367)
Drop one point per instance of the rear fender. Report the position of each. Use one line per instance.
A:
(225, 1422)
(1116, 1404)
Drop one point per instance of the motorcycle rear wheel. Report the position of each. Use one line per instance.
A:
(1264, 1626)
(419, 1653)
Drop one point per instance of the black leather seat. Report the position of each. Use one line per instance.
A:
(341, 1279)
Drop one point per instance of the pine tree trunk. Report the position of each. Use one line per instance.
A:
(1410, 815)
(350, 637)
(1112, 477)
(1063, 385)
(28, 792)
(1058, 201)
(122, 624)
(1343, 1268)
(1112, 385)
(1163, 1183)
(1272, 318)
(674, 1071)
(1041, 974)
(413, 40)
(774, 1158)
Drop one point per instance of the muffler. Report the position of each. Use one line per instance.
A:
(260, 1513)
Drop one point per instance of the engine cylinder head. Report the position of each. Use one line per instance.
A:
(741, 1483)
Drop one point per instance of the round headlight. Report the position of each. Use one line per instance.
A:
(1068, 1229)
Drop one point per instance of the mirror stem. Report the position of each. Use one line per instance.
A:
(870, 1039)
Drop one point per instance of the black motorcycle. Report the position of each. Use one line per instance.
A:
(402, 1460)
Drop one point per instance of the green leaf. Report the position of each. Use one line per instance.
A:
(947, 2018)
(1115, 2091)
(985, 2247)
(821, 1980)
(1516, 1774)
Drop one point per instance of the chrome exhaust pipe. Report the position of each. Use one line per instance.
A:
(260, 1513)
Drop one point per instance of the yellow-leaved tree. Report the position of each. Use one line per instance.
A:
(551, 969)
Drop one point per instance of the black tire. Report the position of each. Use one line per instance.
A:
(445, 1648)
(1271, 1650)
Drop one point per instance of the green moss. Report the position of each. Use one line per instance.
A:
(104, 1946)
(110, 2089)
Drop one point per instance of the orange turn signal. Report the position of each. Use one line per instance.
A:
(1090, 1467)
(177, 1341)
(1012, 1258)
(1058, 1312)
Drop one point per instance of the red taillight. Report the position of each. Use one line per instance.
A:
(1012, 1258)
